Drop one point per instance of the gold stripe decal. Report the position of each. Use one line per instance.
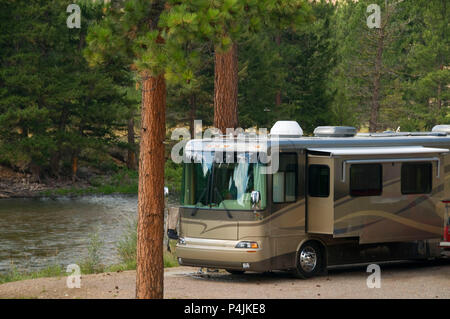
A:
(398, 219)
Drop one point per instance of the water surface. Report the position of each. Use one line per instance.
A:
(36, 233)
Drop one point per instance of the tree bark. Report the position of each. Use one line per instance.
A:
(131, 158)
(439, 91)
(278, 98)
(150, 266)
(226, 89)
(74, 166)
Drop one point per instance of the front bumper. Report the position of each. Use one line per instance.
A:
(214, 253)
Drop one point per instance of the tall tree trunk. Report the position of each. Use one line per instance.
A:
(131, 158)
(278, 98)
(226, 89)
(439, 91)
(150, 266)
(375, 103)
(192, 114)
(74, 166)
(35, 172)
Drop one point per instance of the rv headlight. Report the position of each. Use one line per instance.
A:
(247, 244)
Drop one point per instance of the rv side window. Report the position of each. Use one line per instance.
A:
(284, 182)
(365, 180)
(416, 178)
(319, 181)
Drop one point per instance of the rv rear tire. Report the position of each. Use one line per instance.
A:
(235, 272)
(309, 260)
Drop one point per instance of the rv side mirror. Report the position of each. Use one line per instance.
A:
(172, 234)
(255, 197)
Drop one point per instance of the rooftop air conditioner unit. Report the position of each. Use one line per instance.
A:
(335, 131)
(286, 129)
(442, 129)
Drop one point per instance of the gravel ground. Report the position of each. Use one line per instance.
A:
(398, 280)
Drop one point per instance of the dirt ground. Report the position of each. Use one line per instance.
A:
(398, 280)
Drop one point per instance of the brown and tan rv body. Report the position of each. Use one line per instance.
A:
(346, 198)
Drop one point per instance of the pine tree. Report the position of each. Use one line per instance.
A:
(129, 33)
(427, 88)
(369, 59)
(308, 57)
(224, 23)
(190, 96)
(262, 75)
(52, 106)
(285, 74)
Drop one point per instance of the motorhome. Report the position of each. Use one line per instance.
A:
(335, 198)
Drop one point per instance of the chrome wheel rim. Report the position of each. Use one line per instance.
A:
(308, 259)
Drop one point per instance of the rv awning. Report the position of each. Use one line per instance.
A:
(395, 150)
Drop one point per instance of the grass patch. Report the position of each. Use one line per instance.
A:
(92, 264)
(170, 259)
(124, 181)
(15, 274)
(126, 249)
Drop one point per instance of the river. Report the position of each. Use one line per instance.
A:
(40, 232)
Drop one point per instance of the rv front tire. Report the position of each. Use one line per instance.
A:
(309, 260)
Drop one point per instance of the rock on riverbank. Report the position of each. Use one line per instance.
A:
(15, 184)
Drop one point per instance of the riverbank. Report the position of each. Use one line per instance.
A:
(86, 267)
(89, 181)
(15, 184)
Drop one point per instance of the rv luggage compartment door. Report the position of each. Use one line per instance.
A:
(320, 190)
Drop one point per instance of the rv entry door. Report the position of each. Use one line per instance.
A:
(320, 190)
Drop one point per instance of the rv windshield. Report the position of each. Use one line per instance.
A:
(223, 185)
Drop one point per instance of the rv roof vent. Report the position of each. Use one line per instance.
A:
(335, 131)
(286, 129)
(442, 129)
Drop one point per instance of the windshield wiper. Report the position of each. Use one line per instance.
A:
(201, 196)
(218, 193)
(221, 199)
